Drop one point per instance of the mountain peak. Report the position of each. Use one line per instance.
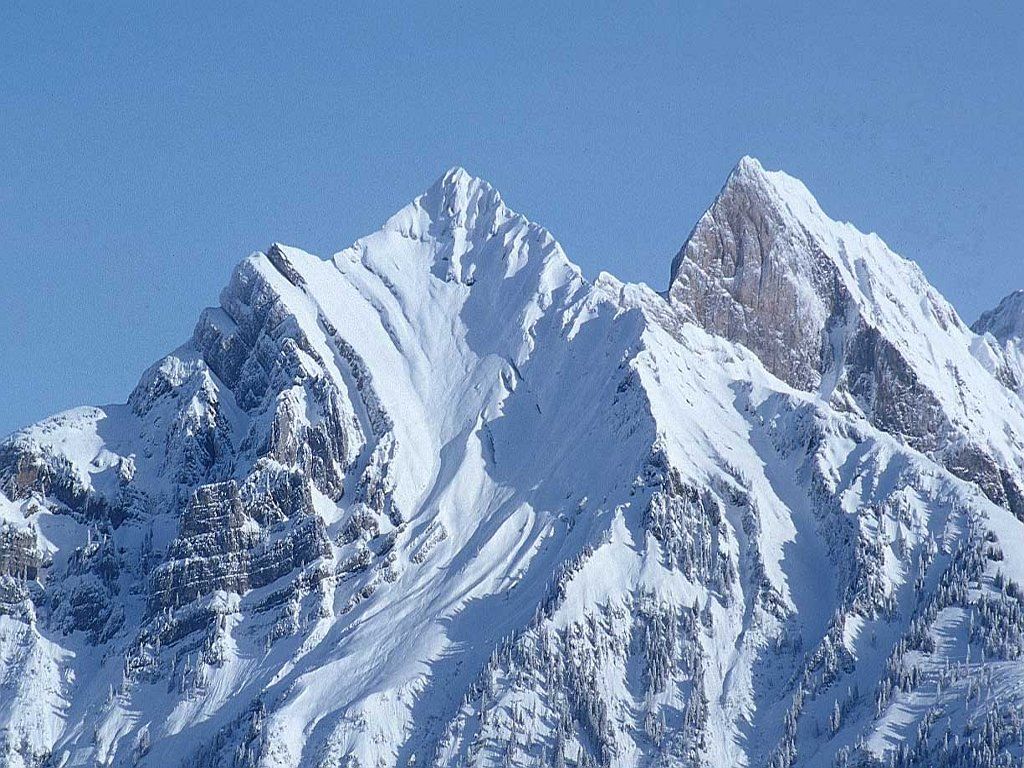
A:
(458, 178)
(767, 267)
(749, 272)
(787, 194)
(748, 174)
(457, 193)
(748, 167)
(457, 200)
(1006, 321)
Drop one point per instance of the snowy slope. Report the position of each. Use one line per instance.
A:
(440, 500)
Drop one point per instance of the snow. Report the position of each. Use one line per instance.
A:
(893, 295)
(1006, 321)
(526, 425)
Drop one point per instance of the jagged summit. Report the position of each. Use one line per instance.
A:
(458, 178)
(1006, 321)
(763, 195)
(466, 234)
(748, 164)
(834, 311)
(457, 200)
(458, 191)
(777, 188)
(751, 270)
(750, 173)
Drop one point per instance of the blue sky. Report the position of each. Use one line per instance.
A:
(145, 150)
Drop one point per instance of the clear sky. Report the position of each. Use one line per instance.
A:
(146, 148)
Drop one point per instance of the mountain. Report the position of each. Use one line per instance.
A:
(439, 500)
(833, 311)
(1005, 322)
(1004, 326)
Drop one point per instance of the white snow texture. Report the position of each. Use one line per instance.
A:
(439, 500)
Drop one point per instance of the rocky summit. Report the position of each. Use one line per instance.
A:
(439, 500)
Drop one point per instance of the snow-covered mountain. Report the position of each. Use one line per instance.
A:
(833, 311)
(1006, 321)
(1005, 326)
(439, 500)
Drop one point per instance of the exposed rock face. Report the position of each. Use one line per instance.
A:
(20, 561)
(1005, 324)
(440, 501)
(90, 596)
(748, 274)
(220, 546)
(257, 350)
(26, 473)
(832, 311)
(20, 557)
